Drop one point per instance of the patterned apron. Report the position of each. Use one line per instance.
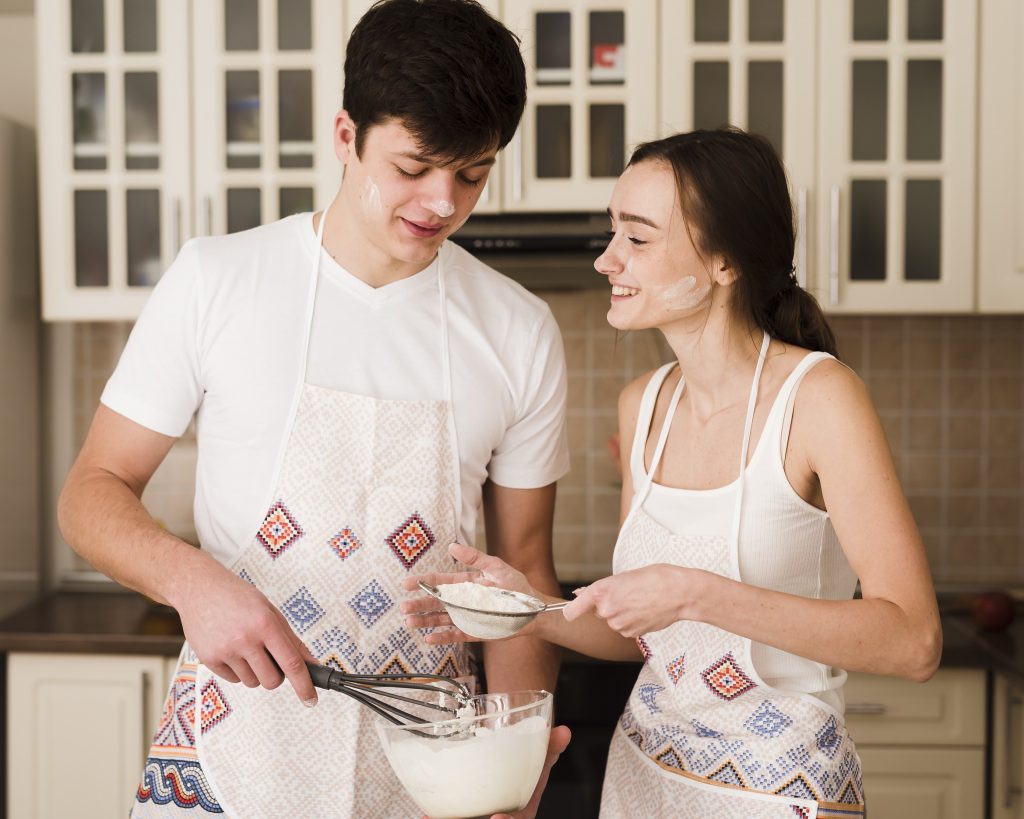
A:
(366, 490)
(702, 735)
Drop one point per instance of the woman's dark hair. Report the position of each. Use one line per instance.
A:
(451, 73)
(732, 191)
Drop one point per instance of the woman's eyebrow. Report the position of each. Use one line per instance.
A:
(632, 217)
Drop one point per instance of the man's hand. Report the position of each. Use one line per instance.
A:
(558, 742)
(242, 637)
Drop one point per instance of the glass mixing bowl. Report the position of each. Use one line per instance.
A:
(484, 762)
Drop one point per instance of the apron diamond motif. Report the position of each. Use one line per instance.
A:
(702, 735)
(358, 479)
(279, 530)
(411, 540)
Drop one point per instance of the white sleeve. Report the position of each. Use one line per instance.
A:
(535, 448)
(157, 380)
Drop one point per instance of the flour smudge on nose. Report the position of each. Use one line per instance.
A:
(442, 207)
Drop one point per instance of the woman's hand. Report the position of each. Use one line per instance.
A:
(642, 600)
(487, 570)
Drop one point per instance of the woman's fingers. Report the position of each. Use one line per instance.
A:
(584, 601)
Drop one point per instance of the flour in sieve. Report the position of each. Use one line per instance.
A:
(475, 596)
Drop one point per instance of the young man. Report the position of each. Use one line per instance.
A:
(358, 385)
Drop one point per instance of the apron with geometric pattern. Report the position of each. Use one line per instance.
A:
(367, 490)
(702, 734)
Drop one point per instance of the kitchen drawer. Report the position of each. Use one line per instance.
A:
(938, 783)
(949, 709)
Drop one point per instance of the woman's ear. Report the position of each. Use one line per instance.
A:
(723, 273)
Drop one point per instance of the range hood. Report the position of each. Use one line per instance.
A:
(541, 251)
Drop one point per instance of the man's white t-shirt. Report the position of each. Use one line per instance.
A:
(221, 339)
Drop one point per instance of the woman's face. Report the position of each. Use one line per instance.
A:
(656, 274)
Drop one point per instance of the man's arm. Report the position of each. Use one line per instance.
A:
(233, 628)
(518, 523)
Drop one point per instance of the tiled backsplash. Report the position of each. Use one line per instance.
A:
(950, 392)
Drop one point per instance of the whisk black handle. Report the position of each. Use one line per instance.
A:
(321, 676)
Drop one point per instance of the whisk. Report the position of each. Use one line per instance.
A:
(372, 691)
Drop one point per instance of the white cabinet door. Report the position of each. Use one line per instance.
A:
(1007, 773)
(896, 180)
(113, 152)
(591, 73)
(949, 709)
(266, 86)
(78, 728)
(751, 65)
(1001, 158)
(939, 784)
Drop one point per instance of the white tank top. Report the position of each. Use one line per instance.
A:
(785, 543)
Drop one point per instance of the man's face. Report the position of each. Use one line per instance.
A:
(404, 202)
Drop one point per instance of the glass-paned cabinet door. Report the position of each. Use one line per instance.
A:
(267, 84)
(750, 64)
(897, 155)
(591, 75)
(1001, 159)
(113, 152)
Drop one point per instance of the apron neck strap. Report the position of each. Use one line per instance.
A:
(747, 426)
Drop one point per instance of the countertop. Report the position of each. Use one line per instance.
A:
(127, 623)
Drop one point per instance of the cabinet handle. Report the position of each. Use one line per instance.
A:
(801, 232)
(1013, 702)
(833, 251)
(176, 224)
(207, 216)
(517, 167)
(146, 727)
(867, 709)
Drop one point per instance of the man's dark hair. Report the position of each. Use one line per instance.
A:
(451, 73)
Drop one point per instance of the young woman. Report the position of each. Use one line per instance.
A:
(758, 488)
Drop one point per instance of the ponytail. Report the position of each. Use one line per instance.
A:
(795, 317)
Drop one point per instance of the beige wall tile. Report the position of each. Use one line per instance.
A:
(925, 355)
(965, 432)
(927, 509)
(965, 354)
(1004, 393)
(925, 432)
(1005, 432)
(923, 472)
(964, 393)
(965, 471)
(964, 512)
(886, 392)
(1003, 511)
(885, 353)
(1004, 472)
(571, 507)
(925, 394)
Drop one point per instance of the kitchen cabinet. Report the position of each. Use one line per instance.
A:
(922, 746)
(1001, 158)
(591, 69)
(78, 729)
(871, 105)
(164, 119)
(1007, 796)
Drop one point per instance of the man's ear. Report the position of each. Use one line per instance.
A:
(344, 137)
